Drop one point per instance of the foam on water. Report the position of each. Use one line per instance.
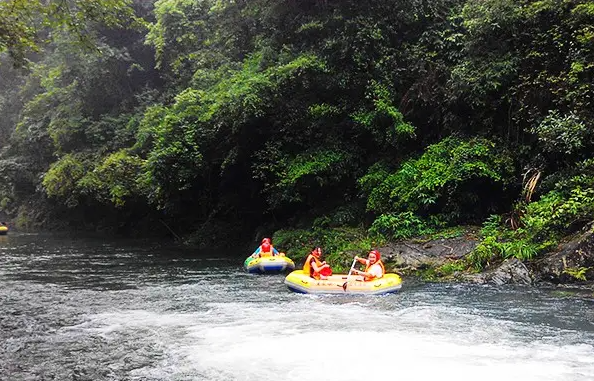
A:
(312, 339)
(91, 310)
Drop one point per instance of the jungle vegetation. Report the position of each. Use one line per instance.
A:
(222, 120)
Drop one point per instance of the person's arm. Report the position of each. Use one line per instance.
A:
(274, 251)
(255, 254)
(318, 268)
(362, 261)
(365, 275)
(373, 273)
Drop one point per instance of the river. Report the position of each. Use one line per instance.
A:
(91, 309)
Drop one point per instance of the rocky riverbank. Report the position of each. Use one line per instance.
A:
(571, 265)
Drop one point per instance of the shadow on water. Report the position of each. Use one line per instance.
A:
(106, 264)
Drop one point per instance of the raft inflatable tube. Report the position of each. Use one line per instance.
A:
(3, 230)
(297, 281)
(268, 265)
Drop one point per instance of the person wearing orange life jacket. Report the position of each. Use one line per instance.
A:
(374, 267)
(314, 267)
(265, 249)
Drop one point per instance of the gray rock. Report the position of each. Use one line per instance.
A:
(576, 254)
(511, 271)
(414, 254)
(559, 267)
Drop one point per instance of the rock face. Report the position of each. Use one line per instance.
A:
(511, 271)
(573, 263)
(418, 255)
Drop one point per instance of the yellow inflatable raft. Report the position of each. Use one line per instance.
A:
(275, 264)
(3, 229)
(297, 281)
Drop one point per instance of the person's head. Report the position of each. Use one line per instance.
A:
(373, 256)
(317, 252)
(266, 247)
(267, 240)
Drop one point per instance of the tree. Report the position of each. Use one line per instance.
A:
(25, 24)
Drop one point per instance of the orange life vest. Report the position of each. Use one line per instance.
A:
(378, 262)
(307, 269)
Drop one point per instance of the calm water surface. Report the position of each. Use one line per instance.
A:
(89, 309)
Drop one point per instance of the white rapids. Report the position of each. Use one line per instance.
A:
(91, 311)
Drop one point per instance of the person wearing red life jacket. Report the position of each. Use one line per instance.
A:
(315, 267)
(265, 249)
(374, 267)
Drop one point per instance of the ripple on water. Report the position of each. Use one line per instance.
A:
(95, 310)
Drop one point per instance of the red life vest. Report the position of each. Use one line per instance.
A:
(266, 250)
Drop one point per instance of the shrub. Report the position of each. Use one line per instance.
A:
(399, 226)
(447, 179)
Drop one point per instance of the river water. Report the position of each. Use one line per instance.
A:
(89, 309)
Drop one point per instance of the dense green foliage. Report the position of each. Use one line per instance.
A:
(217, 119)
(442, 186)
(24, 23)
(561, 211)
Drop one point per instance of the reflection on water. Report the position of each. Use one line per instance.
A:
(107, 310)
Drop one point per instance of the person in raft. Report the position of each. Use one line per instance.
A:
(266, 249)
(374, 267)
(316, 268)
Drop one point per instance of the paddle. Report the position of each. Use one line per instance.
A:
(344, 286)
